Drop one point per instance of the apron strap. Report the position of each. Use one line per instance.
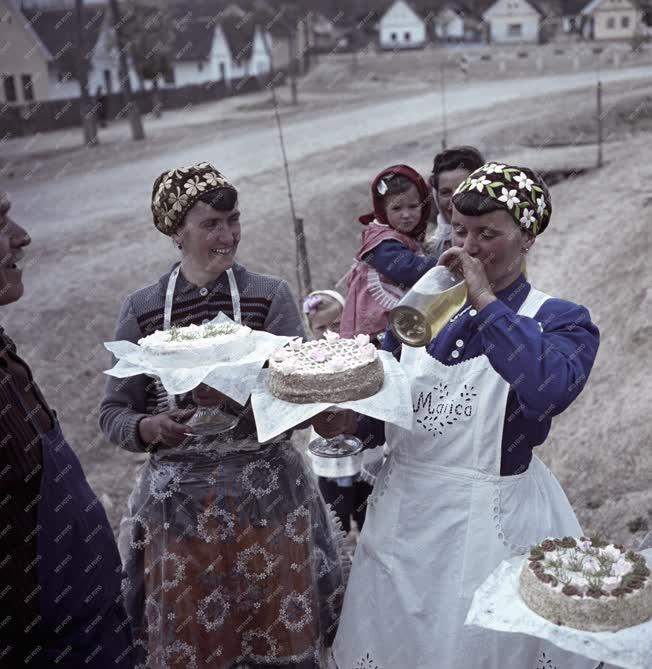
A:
(235, 296)
(169, 301)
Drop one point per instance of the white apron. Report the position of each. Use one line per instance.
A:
(440, 519)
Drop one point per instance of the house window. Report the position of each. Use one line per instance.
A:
(168, 76)
(611, 22)
(406, 37)
(28, 87)
(515, 30)
(393, 37)
(624, 21)
(200, 67)
(10, 88)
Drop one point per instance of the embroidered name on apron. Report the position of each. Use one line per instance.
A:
(437, 410)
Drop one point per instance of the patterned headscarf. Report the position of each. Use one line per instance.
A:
(175, 192)
(519, 190)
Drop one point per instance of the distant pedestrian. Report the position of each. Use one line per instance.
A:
(100, 106)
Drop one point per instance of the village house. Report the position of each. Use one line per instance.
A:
(39, 61)
(218, 48)
(611, 19)
(455, 22)
(513, 21)
(401, 27)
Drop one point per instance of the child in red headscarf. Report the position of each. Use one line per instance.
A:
(389, 261)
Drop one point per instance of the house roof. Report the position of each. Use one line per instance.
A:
(193, 39)
(57, 30)
(594, 4)
(533, 3)
(572, 7)
(239, 35)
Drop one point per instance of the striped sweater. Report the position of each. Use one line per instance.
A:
(266, 304)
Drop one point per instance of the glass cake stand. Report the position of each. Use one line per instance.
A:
(341, 446)
(208, 421)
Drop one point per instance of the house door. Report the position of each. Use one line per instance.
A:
(222, 72)
(108, 84)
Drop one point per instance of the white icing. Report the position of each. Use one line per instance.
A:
(296, 344)
(288, 366)
(280, 355)
(336, 365)
(193, 337)
(324, 356)
(368, 353)
(362, 340)
(331, 337)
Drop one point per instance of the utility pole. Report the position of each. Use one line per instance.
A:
(599, 113)
(443, 103)
(88, 115)
(133, 113)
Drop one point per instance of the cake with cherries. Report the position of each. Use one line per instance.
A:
(330, 369)
(587, 584)
(196, 345)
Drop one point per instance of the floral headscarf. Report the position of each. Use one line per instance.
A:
(519, 190)
(175, 192)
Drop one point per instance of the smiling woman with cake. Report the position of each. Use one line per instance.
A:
(462, 490)
(231, 556)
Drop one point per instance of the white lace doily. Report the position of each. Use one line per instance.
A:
(498, 606)
(235, 379)
(392, 404)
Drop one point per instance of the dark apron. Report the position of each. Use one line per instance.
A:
(79, 572)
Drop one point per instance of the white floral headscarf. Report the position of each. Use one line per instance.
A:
(519, 190)
(176, 191)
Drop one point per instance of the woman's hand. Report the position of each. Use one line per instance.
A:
(330, 424)
(479, 289)
(165, 429)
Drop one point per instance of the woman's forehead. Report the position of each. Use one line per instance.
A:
(498, 220)
(201, 211)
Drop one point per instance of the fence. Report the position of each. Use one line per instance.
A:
(17, 121)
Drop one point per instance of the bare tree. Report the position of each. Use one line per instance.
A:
(133, 113)
(88, 117)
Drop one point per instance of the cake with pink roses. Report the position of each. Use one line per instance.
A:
(331, 369)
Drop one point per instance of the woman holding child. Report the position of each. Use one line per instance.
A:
(461, 490)
(232, 559)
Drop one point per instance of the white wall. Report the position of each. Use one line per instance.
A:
(506, 15)
(608, 20)
(449, 25)
(400, 27)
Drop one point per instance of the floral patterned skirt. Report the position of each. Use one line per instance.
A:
(231, 558)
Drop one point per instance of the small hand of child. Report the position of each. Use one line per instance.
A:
(330, 424)
(478, 288)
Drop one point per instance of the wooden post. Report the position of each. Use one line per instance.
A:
(443, 104)
(599, 111)
(88, 115)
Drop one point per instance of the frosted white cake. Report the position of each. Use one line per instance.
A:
(587, 584)
(326, 370)
(196, 345)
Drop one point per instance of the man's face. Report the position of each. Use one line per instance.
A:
(447, 183)
(12, 240)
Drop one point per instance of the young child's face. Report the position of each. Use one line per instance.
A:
(326, 318)
(403, 211)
